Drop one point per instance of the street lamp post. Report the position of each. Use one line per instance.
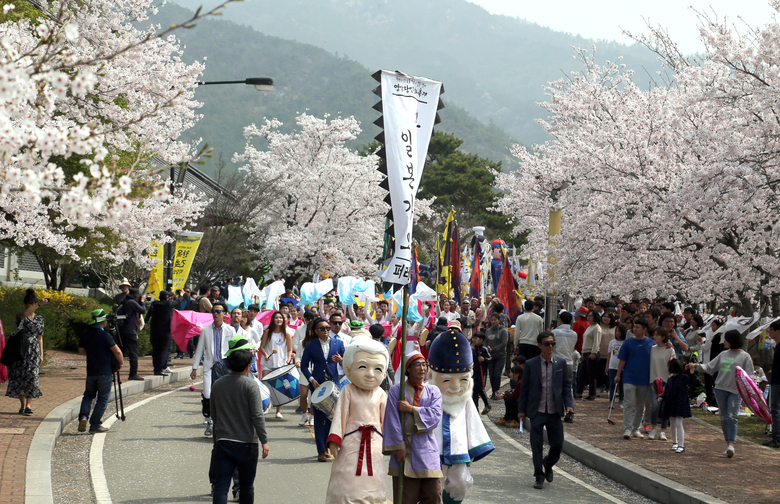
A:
(260, 83)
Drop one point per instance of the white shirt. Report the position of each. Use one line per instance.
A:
(527, 327)
(325, 347)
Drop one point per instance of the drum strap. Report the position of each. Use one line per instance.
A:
(365, 446)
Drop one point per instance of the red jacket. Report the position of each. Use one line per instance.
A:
(515, 394)
(580, 326)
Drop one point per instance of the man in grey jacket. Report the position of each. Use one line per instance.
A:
(239, 425)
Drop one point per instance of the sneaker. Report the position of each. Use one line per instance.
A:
(674, 446)
(680, 449)
(304, 419)
(502, 422)
(620, 405)
(638, 434)
(311, 420)
(167, 371)
(514, 423)
(729, 451)
(28, 411)
(83, 425)
(209, 430)
(652, 434)
(662, 436)
(98, 429)
(21, 411)
(279, 414)
(627, 434)
(235, 495)
(487, 409)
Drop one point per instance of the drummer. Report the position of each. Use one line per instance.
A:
(324, 354)
(276, 347)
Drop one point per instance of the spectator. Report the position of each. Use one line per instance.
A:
(774, 386)
(660, 355)
(160, 315)
(132, 308)
(634, 370)
(510, 398)
(566, 340)
(613, 350)
(609, 321)
(527, 328)
(482, 358)
(726, 391)
(23, 374)
(591, 343)
(675, 404)
(496, 338)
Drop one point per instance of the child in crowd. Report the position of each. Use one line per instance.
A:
(758, 375)
(518, 360)
(481, 357)
(510, 399)
(675, 404)
(614, 349)
(575, 362)
(660, 355)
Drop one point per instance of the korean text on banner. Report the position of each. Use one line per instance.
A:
(155, 285)
(186, 247)
(409, 107)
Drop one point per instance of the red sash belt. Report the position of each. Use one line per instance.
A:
(365, 445)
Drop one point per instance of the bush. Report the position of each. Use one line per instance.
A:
(65, 317)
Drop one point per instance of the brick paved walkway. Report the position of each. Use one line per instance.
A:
(62, 379)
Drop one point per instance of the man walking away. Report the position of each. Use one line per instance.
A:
(545, 396)
(239, 425)
(99, 347)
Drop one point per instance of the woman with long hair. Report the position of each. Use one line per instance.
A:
(309, 336)
(276, 347)
(609, 321)
(23, 374)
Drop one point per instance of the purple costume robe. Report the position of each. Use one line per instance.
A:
(422, 450)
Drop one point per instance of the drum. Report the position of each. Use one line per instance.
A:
(265, 395)
(283, 385)
(325, 398)
(343, 382)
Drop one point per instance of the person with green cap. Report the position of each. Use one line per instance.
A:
(239, 426)
(99, 347)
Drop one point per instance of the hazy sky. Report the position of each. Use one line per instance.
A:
(603, 19)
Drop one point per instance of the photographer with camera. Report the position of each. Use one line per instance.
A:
(101, 350)
(132, 308)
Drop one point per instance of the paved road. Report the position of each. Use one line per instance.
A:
(162, 447)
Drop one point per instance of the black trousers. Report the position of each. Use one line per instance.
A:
(130, 342)
(161, 345)
(528, 351)
(587, 375)
(511, 410)
(554, 427)
(479, 392)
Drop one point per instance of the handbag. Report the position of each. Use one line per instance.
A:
(14, 348)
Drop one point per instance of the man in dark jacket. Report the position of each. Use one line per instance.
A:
(99, 347)
(132, 308)
(159, 318)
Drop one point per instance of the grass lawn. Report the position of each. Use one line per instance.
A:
(750, 428)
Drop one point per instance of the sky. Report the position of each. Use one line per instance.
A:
(603, 19)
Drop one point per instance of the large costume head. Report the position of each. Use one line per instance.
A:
(450, 369)
(365, 363)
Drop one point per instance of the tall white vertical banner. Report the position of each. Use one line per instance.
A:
(409, 107)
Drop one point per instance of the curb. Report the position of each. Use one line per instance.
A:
(38, 488)
(644, 482)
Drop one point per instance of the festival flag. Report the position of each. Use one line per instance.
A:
(455, 263)
(445, 257)
(409, 106)
(506, 292)
(476, 276)
(186, 247)
(155, 284)
(415, 272)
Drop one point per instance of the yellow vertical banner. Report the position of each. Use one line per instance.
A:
(154, 286)
(186, 247)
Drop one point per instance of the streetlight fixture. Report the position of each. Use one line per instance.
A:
(260, 83)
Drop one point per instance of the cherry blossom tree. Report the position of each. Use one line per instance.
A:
(86, 99)
(328, 213)
(669, 191)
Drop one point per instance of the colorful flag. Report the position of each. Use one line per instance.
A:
(415, 272)
(455, 263)
(476, 275)
(445, 257)
(186, 247)
(506, 292)
(155, 285)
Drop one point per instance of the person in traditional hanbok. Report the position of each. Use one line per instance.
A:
(461, 436)
(355, 440)
(416, 445)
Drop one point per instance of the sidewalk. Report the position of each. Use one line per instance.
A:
(62, 379)
(745, 478)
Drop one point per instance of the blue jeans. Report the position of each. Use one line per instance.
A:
(729, 403)
(612, 375)
(99, 386)
(774, 409)
(230, 455)
(655, 408)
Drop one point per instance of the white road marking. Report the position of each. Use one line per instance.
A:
(96, 469)
(563, 473)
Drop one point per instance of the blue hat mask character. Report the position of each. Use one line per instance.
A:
(450, 353)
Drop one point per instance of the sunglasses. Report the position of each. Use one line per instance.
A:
(322, 328)
(336, 323)
(549, 343)
(216, 311)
